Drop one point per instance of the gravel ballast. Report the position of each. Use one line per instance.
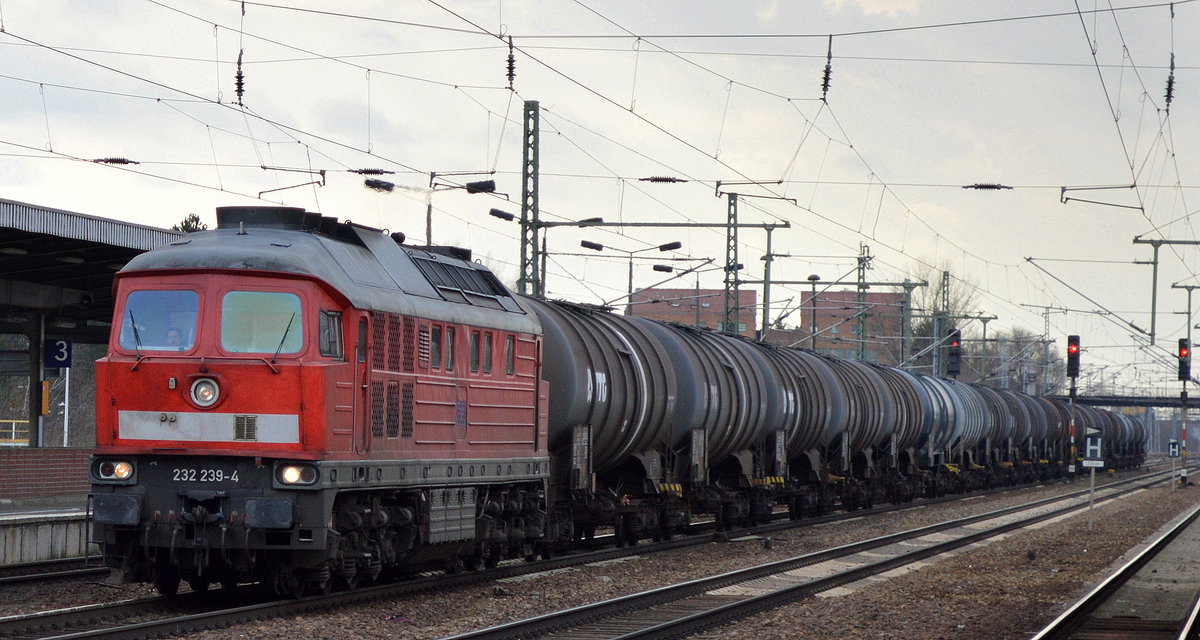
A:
(1007, 589)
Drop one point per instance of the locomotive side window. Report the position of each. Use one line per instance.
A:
(487, 353)
(474, 352)
(510, 359)
(331, 334)
(261, 322)
(435, 350)
(159, 320)
(449, 348)
(362, 339)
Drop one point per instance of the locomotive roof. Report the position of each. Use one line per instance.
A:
(367, 266)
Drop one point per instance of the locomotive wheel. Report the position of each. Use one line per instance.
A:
(350, 583)
(166, 579)
(199, 584)
(323, 587)
(288, 584)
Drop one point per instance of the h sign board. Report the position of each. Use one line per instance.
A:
(1173, 449)
(1093, 447)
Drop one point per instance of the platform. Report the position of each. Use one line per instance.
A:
(39, 534)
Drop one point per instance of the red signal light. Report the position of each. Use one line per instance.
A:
(1183, 352)
(1072, 349)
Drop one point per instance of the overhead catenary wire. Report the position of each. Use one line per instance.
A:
(902, 253)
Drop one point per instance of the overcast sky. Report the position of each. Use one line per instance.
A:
(924, 98)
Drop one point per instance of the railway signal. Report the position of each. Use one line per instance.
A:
(1185, 359)
(1072, 356)
(954, 353)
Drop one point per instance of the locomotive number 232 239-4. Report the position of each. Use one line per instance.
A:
(187, 474)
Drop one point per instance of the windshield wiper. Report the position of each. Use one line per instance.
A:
(284, 338)
(137, 337)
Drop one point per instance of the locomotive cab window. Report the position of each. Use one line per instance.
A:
(487, 353)
(159, 320)
(435, 347)
(449, 348)
(261, 322)
(474, 352)
(330, 332)
(510, 359)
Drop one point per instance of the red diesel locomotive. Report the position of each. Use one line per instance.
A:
(286, 399)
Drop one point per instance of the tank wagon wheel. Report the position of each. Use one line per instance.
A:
(200, 584)
(624, 532)
(229, 582)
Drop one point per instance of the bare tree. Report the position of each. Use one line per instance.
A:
(934, 305)
(1015, 360)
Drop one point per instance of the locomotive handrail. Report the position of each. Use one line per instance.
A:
(205, 359)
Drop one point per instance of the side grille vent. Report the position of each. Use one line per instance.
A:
(245, 428)
(393, 409)
(377, 409)
(423, 345)
(409, 329)
(394, 344)
(406, 411)
(378, 337)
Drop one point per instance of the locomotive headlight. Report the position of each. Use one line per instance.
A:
(205, 392)
(301, 474)
(113, 470)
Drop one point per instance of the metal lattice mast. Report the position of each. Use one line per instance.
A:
(731, 270)
(530, 280)
(864, 260)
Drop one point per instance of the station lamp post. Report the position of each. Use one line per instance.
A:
(596, 246)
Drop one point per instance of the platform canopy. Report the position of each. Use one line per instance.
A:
(56, 268)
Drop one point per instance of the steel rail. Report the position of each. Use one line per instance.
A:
(81, 622)
(1073, 619)
(719, 614)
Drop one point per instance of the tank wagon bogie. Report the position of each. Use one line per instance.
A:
(311, 404)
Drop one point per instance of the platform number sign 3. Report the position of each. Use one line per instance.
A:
(57, 353)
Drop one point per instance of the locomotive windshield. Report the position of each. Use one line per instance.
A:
(159, 320)
(261, 322)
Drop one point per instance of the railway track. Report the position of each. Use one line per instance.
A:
(51, 570)
(682, 609)
(1154, 595)
(159, 616)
